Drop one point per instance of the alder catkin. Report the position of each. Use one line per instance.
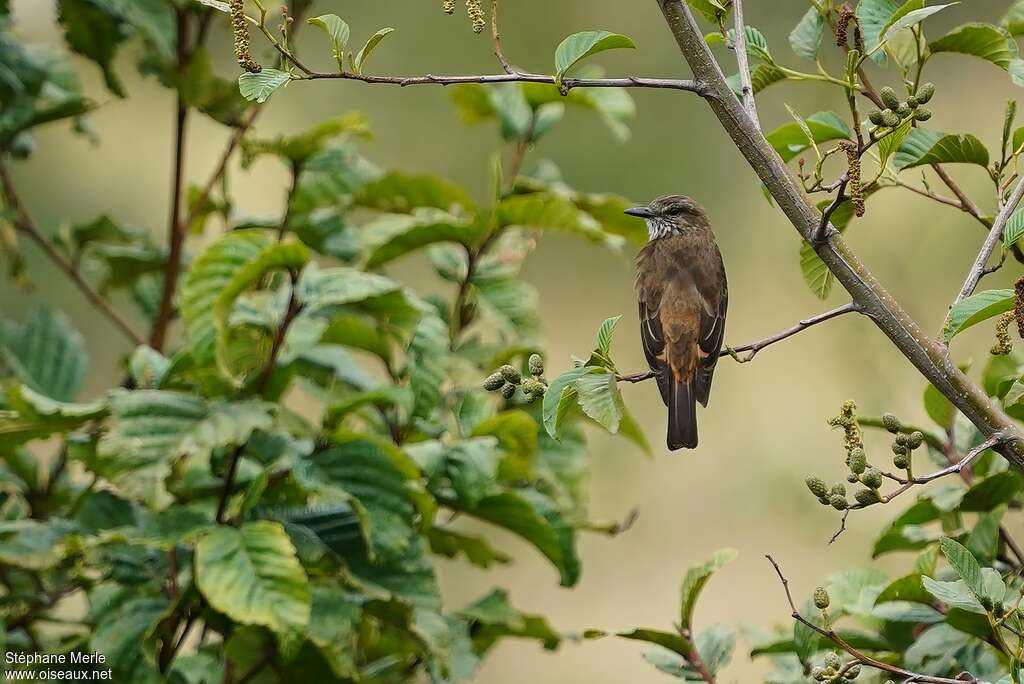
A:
(448, 6)
(843, 24)
(240, 31)
(1018, 305)
(476, 15)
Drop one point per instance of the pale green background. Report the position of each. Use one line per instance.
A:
(765, 429)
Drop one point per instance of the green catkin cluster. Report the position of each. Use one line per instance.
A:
(508, 378)
(834, 671)
(1003, 345)
(853, 173)
(1018, 305)
(896, 112)
(240, 30)
(847, 419)
(861, 471)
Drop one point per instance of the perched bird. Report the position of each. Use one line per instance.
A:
(683, 294)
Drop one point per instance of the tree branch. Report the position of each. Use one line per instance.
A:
(740, 46)
(496, 37)
(861, 657)
(23, 223)
(929, 357)
(965, 202)
(518, 77)
(994, 236)
(176, 229)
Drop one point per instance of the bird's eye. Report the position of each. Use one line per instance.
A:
(675, 211)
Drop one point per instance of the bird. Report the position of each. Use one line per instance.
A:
(683, 295)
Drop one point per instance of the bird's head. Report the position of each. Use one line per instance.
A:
(670, 215)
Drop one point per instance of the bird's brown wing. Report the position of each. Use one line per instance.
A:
(652, 337)
(715, 296)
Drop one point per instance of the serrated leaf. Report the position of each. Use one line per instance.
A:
(694, 581)
(805, 38)
(763, 76)
(791, 139)
(1014, 229)
(598, 395)
(560, 396)
(371, 45)
(339, 33)
(965, 564)
(975, 309)
(985, 41)
(872, 17)
(393, 235)
(922, 147)
(1013, 21)
(605, 334)
(545, 211)
(580, 46)
(711, 10)
(400, 193)
(910, 14)
(258, 87)
(252, 575)
(34, 416)
(46, 353)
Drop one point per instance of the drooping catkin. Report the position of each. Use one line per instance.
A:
(448, 6)
(240, 30)
(856, 189)
(843, 24)
(1018, 305)
(476, 15)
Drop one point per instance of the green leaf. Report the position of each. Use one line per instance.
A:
(872, 17)
(805, 39)
(334, 628)
(791, 139)
(991, 492)
(910, 14)
(376, 478)
(339, 33)
(923, 147)
(599, 397)
(975, 309)
(393, 235)
(694, 581)
(816, 274)
(763, 76)
(30, 544)
(579, 46)
(252, 575)
(532, 516)
(965, 564)
(604, 335)
(986, 41)
(429, 356)
(119, 636)
(34, 416)
(1013, 21)
(545, 211)
(46, 353)
(888, 145)
(938, 407)
(95, 31)
(401, 193)
(561, 395)
(259, 87)
(757, 44)
(371, 45)
(711, 10)
(1014, 229)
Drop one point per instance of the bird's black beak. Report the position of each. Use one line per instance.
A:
(641, 212)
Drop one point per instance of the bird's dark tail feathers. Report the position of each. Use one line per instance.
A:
(682, 415)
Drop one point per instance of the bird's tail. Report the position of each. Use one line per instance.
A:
(682, 415)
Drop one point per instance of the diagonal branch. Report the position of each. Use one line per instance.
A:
(742, 61)
(929, 357)
(994, 235)
(23, 222)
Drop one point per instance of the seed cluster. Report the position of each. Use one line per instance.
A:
(240, 31)
(508, 378)
(896, 112)
(835, 671)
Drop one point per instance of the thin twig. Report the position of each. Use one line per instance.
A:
(754, 347)
(567, 84)
(841, 643)
(966, 203)
(740, 46)
(176, 230)
(994, 235)
(23, 223)
(496, 37)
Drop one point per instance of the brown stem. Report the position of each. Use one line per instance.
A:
(24, 224)
(176, 228)
(517, 77)
(496, 37)
(966, 204)
(862, 657)
(929, 357)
